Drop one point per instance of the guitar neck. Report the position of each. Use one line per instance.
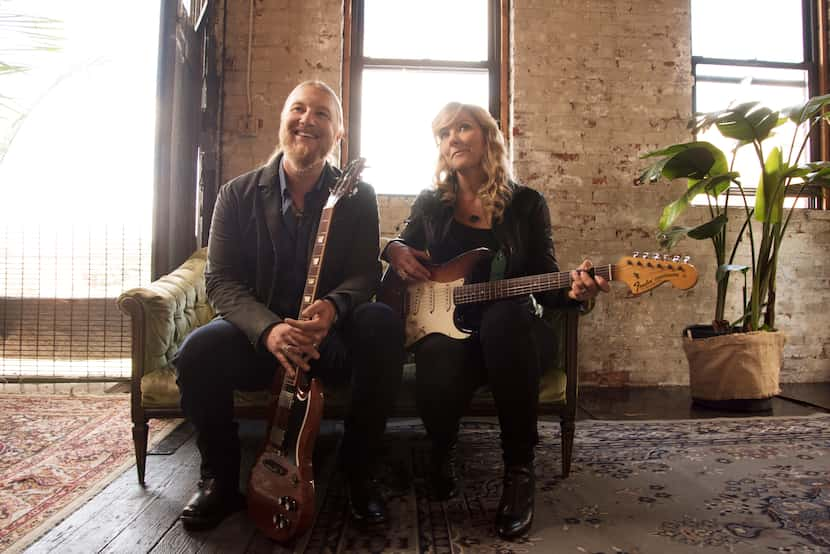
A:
(519, 286)
(316, 261)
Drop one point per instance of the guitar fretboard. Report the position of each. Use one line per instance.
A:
(517, 286)
(316, 261)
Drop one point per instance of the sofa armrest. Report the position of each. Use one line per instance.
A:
(560, 381)
(163, 313)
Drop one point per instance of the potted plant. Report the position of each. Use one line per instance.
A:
(736, 364)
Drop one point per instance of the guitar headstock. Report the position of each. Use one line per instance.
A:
(345, 184)
(643, 272)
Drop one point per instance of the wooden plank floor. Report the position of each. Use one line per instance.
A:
(126, 517)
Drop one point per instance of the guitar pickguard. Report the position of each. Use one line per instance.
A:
(429, 308)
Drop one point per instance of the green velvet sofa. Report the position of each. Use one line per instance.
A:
(166, 310)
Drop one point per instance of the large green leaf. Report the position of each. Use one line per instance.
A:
(670, 237)
(704, 121)
(693, 160)
(745, 122)
(709, 229)
(804, 111)
(704, 186)
(769, 198)
(717, 185)
(814, 173)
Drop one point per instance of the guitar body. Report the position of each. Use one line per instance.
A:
(281, 485)
(428, 307)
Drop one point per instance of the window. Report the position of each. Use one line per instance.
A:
(763, 52)
(408, 59)
(76, 130)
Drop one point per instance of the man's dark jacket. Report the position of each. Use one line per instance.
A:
(524, 234)
(242, 253)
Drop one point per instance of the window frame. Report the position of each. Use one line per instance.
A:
(354, 62)
(814, 21)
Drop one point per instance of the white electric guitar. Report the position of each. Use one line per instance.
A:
(430, 306)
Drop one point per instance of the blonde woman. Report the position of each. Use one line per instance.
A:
(475, 204)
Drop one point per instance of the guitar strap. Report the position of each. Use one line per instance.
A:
(497, 269)
(498, 266)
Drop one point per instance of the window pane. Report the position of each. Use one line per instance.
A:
(769, 30)
(455, 30)
(714, 96)
(718, 85)
(396, 134)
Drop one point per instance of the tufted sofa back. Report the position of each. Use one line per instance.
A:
(163, 313)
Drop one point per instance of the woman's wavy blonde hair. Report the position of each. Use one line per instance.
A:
(495, 193)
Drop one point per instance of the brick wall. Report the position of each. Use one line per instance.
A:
(594, 85)
(292, 41)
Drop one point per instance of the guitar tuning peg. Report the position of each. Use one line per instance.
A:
(635, 254)
(644, 254)
(675, 258)
(686, 259)
(656, 256)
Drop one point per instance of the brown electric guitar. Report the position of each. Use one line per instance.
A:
(438, 305)
(281, 486)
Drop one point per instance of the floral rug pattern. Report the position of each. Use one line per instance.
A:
(57, 451)
(717, 485)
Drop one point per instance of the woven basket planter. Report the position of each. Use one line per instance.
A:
(735, 371)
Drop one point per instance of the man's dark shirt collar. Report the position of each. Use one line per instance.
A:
(287, 202)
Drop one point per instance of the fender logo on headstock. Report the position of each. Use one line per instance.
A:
(642, 285)
(643, 274)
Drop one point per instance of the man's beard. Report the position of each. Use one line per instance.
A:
(302, 156)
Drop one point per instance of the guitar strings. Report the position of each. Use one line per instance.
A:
(521, 285)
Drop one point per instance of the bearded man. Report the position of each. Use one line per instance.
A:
(261, 238)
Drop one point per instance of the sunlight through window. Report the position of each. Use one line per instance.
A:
(76, 180)
(406, 80)
(760, 54)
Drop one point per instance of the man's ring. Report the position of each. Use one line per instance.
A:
(286, 348)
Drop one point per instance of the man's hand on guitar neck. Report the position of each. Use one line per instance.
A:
(294, 342)
(583, 286)
(406, 261)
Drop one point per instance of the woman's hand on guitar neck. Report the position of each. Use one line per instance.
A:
(583, 286)
(406, 261)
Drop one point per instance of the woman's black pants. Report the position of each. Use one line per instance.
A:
(508, 353)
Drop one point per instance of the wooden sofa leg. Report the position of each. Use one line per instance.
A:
(568, 429)
(140, 433)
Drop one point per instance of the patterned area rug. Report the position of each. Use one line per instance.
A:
(56, 452)
(723, 485)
